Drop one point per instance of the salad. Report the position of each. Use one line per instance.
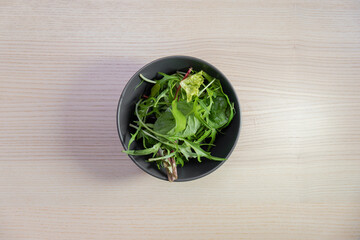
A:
(180, 119)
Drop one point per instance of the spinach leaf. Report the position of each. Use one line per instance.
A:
(185, 108)
(167, 121)
(180, 119)
(218, 116)
(193, 124)
(164, 123)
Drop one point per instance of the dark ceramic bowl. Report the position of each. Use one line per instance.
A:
(225, 143)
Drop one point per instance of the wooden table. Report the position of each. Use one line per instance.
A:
(295, 173)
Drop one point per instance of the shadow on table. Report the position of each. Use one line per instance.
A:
(89, 119)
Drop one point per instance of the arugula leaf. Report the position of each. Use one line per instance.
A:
(179, 159)
(186, 151)
(162, 157)
(158, 139)
(201, 152)
(204, 136)
(146, 151)
(207, 76)
(133, 137)
(196, 109)
(166, 77)
(213, 136)
(161, 95)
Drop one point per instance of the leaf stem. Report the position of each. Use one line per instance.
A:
(206, 87)
(162, 157)
(146, 79)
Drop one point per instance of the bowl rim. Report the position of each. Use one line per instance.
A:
(122, 140)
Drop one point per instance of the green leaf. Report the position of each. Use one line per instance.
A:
(185, 108)
(186, 151)
(141, 123)
(158, 138)
(164, 123)
(193, 124)
(218, 117)
(161, 95)
(179, 160)
(146, 151)
(155, 90)
(230, 112)
(206, 87)
(207, 76)
(167, 121)
(198, 116)
(162, 157)
(213, 136)
(201, 152)
(192, 84)
(218, 91)
(133, 137)
(167, 77)
(180, 119)
(203, 105)
(204, 136)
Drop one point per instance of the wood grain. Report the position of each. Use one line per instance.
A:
(295, 173)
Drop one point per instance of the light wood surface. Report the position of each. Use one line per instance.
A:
(295, 173)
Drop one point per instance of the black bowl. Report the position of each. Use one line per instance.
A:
(225, 143)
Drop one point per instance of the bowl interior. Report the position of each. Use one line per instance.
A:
(225, 142)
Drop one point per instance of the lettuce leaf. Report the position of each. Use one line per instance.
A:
(192, 84)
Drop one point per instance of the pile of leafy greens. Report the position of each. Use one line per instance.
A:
(180, 119)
